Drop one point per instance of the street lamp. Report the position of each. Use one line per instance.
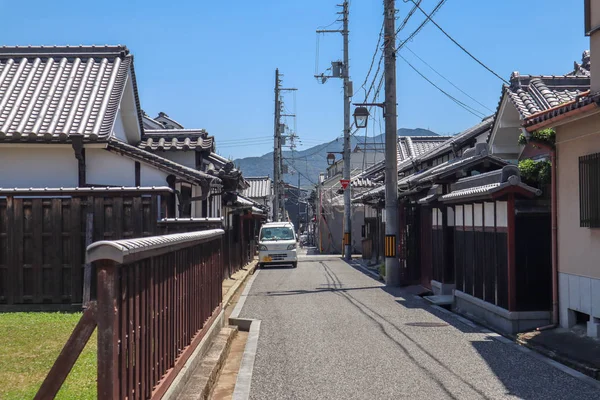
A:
(361, 117)
(330, 159)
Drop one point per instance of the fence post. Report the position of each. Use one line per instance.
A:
(108, 327)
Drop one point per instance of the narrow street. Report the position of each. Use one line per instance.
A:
(330, 331)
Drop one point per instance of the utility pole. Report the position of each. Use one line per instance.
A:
(278, 170)
(343, 71)
(392, 265)
(277, 152)
(347, 97)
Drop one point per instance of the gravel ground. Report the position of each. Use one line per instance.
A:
(329, 331)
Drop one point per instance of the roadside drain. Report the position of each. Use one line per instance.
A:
(427, 324)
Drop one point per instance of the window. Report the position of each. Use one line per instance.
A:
(185, 200)
(276, 233)
(589, 191)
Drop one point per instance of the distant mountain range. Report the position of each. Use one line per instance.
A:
(312, 161)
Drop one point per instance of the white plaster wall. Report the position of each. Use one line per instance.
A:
(187, 158)
(501, 214)
(150, 176)
(450, 216)
(488, 214)
(459, 215)
(119, 128)
(468, 215)
(105, 168)
(43, 166)
(478, 214)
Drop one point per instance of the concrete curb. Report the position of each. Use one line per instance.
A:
(358, 264)
(244, 324)
(205, 376)
(533, 352)
(244, 378)
(187, 370)
(234, 289)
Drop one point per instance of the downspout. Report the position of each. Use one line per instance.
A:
(554, 223)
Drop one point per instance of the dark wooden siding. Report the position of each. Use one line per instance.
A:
(42, 241)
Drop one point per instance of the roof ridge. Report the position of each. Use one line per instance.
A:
(89, 50)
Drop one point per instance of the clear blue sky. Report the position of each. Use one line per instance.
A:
(210, 64)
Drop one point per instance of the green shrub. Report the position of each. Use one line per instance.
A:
(535, 173)
(382, 269)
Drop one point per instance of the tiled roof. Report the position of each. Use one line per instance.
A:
(532, 94)
(176, 139)
(47, 93)
(259, 187)
(168, 121)
(150, 123)
(459, 140)
(585, 100)
(363, 183)
(472, 157)
(412, 147)
(489, 185)
(161, 163)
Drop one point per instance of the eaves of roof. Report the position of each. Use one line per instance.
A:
(490, 191)
(166, 142)
(127, 150)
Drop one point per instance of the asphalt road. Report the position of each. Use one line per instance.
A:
(329, 331)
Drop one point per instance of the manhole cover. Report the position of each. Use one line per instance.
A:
(427, 324)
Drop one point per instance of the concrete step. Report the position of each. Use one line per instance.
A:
(440, 300)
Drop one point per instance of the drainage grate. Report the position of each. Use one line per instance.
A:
(427, 324)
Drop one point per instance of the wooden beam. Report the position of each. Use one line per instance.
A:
(511, 259)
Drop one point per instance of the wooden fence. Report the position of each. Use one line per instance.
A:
(43, 235)
(157, 297)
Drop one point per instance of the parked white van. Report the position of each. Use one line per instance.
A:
(277, 244)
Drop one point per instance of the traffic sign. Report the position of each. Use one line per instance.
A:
(345, 183)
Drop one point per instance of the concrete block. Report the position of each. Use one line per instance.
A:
(563, 299)
(574, 302)
(593, 328)
(585, 295)
(595, 297)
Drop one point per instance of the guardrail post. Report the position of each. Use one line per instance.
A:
(108, 328)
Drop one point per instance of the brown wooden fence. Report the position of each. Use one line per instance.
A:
(157, 297)
(43, 237)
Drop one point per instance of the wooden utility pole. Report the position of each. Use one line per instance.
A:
(277, 152)
(392, 265)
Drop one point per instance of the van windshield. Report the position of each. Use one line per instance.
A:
(278, 233)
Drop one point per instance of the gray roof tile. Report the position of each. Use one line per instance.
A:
(259, 187)
(48, 93)
(161, 163)
(176, 139)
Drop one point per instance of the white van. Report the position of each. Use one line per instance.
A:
(277, 244)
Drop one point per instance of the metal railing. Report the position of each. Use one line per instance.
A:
(156, 298)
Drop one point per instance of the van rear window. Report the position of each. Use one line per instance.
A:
(279, 233)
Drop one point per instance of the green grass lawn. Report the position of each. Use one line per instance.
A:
(29, 345)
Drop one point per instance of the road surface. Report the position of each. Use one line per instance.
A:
(330, 331)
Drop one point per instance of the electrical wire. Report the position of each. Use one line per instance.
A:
(446, 79)
(460, 103)
(460, 46)
(416, 32)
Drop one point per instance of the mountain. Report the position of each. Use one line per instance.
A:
(312, 161)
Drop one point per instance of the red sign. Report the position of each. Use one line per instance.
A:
(345, 183)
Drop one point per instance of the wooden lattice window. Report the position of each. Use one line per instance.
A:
(589, 191)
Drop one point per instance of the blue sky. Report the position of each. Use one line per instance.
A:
(210, 64)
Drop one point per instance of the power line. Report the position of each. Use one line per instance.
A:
(447, 80)
(412, 35)
(460, 103)
(460, 46)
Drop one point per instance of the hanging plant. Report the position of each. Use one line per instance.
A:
(543, 136)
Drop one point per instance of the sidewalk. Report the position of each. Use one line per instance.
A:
(569, 347)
